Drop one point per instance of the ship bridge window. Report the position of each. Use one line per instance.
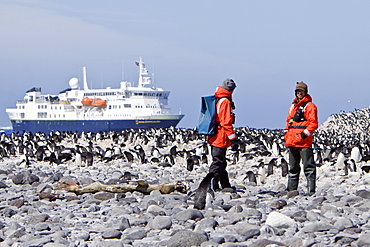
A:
(127, 105)
(42, 114)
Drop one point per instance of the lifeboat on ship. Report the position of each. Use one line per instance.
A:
(87, 101)
(99, 103)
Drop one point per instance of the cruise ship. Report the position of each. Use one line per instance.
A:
(92, 110)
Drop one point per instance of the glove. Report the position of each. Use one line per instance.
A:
(234, 145)
(303, 135)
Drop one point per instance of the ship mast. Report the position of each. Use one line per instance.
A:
(143, 72)
(85, 79)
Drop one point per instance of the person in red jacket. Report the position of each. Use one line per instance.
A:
(225, 136)
(301, 123)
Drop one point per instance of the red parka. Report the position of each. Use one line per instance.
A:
(225, 132)
(309, 124)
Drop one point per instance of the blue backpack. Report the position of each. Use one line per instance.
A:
(207, 121)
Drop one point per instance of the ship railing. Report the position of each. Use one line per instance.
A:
(41, 101)
(69, 109)
(21, 102)
(51, 101)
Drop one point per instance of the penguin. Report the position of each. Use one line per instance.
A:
(235, 156)
(192, 161)
(154, 160)
(275, 149)
(284, 167)
(201, 193)
(78, 159)
(155, 152)
(340, 161)
(127, 176)
(318, 158)
(270, 167)
(64, 157)
(168, 158)
(89, 159)
(356, 154)
(53, 159)
(204, 158)
(140, 153)
(262, 173)
(346, 165)
(40, 153)
(189, 164)
(128, 156)
(352, 165)
(173, 151)
(365, 169)
(242, 147)
(116, 150)
(251, 177)
(24, 159)
(205, 148)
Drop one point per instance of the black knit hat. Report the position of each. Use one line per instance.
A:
(229, 85)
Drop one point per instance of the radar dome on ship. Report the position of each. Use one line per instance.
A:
(73, 83)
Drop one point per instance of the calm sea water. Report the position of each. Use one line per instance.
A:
(6, 130)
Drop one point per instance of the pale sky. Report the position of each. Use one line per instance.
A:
(191, 47)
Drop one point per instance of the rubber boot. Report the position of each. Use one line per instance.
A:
(311, 187)
(224, 180)
(292, 184)
(309, 167)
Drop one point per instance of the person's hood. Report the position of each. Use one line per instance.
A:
(222, 92)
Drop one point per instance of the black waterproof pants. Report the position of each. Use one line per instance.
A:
(218, 168)
(296, 154)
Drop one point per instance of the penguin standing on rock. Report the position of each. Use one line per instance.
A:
(262, 173)
(201, 193)
(284, 167)
(251, 177)
(270, 167)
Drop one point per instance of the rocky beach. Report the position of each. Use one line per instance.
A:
(36, 211)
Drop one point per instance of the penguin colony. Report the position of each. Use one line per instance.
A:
(342, 145)
(343, 141)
